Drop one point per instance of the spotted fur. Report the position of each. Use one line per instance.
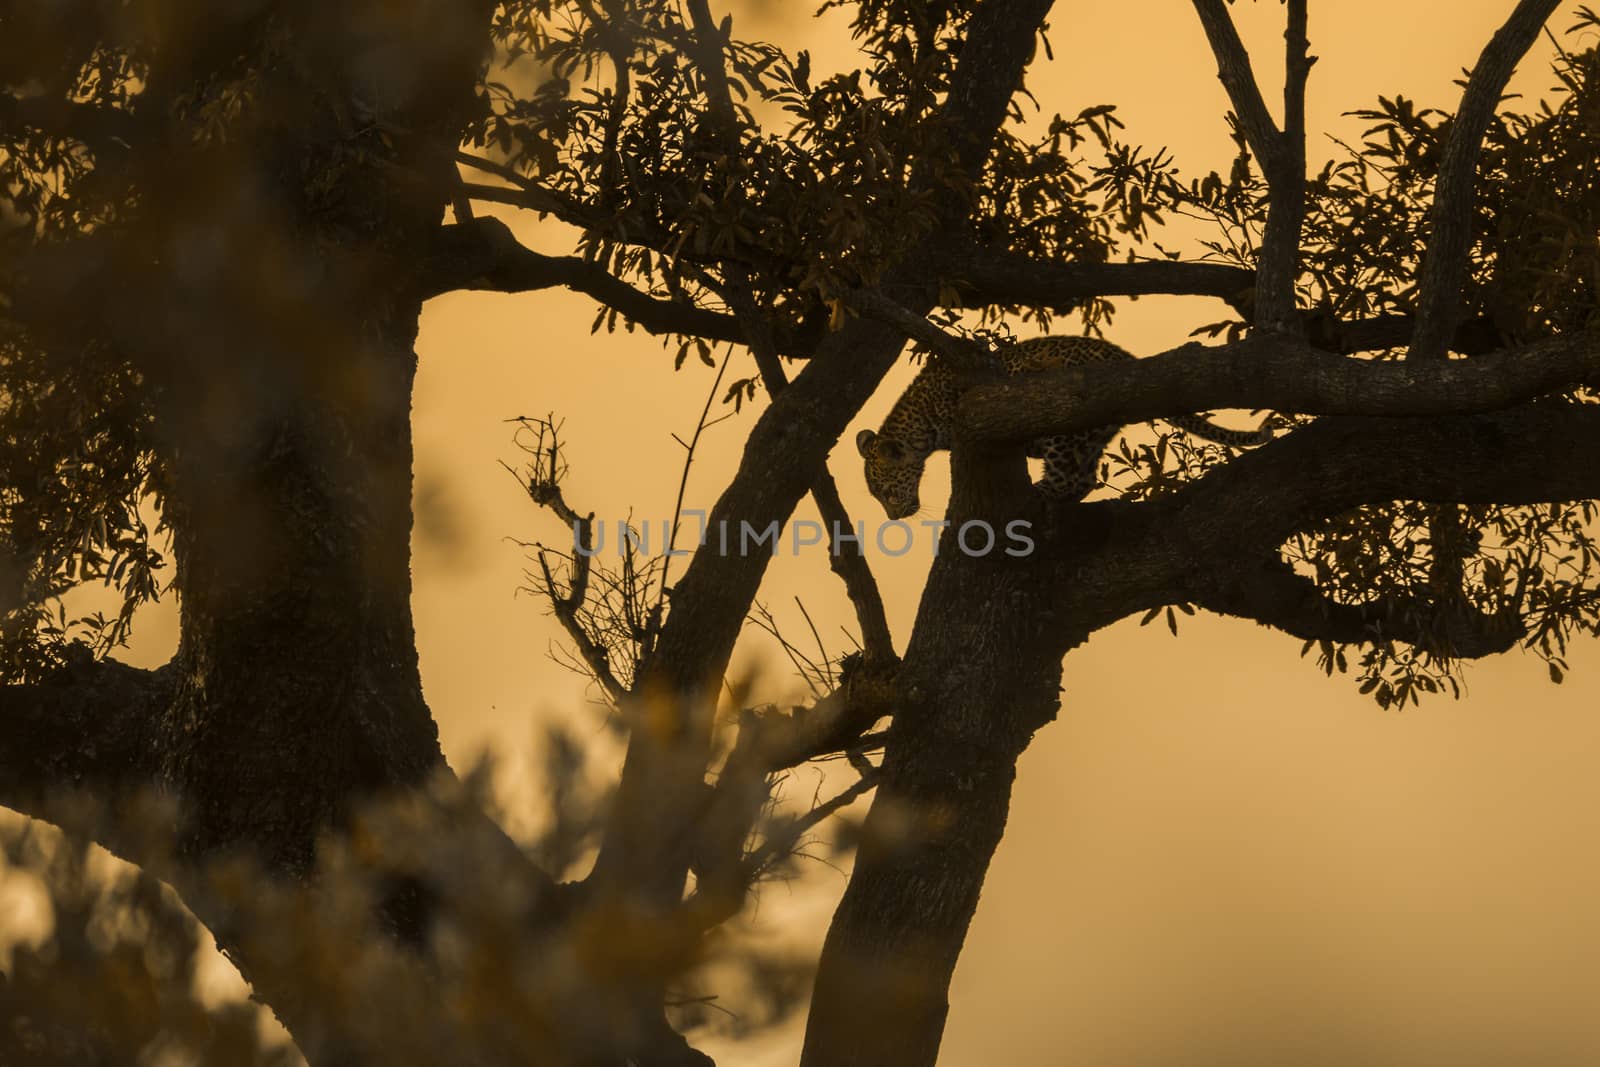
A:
(919, 424)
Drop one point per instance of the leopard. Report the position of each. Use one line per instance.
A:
(919, 425)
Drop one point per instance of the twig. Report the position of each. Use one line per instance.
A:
(700, 427)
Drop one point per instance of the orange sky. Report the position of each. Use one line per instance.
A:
(1216, 855)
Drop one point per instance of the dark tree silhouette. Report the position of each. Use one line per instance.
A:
(220, 225)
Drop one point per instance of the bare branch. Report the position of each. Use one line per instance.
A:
(850, 564)
(1444, 264)
(542, 482)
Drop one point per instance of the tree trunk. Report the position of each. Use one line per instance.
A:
(982, 672)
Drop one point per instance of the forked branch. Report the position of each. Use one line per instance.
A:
(1282, 152)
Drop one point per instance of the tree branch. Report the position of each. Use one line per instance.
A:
(999, 41)
(484, 255)
(1282, 153)
(542, 483)
(527, 193)
(964, 353)
(771, 742)
(849, 564)
(982, 276)
(1207, 542)
(1275, 373)
(1261, 498)
(1474, 337)
(1444, 264)
(784, 453)
(1267, 590)
(1237, 77)
(88, 727)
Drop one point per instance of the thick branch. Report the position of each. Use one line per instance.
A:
(1233, 70)
(88, 727)
(1271, 593)
(1207, 542)
(1444, 265)
(999, 42)
(1274, 373)
(1261, 498)
(1474, 337)
(983, 276)
(785, 452)
(1279, 268)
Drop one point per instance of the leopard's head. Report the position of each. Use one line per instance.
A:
(893, 473)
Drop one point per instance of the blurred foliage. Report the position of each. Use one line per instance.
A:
(111, 978)
(110, 975)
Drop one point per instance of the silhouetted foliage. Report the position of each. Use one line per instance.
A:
(218, 225)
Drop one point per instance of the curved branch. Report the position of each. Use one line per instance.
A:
(1269, 591)
(1444, 264)
(1209, 542)
(484, 255)
(1534, 454)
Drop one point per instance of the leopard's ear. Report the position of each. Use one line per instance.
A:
(864, 441)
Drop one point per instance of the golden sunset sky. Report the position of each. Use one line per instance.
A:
(1216, 855)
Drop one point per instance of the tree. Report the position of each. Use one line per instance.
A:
(221, 226)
